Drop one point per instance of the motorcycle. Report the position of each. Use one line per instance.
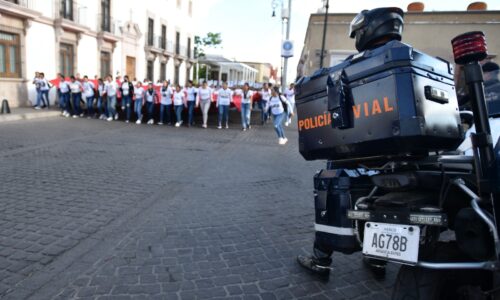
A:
(395, 187)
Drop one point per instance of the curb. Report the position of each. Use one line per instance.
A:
(28, 116)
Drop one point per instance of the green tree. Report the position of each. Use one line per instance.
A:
(211, 40)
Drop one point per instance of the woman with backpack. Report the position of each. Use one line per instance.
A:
(278, 105)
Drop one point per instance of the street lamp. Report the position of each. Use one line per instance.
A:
(285, 17)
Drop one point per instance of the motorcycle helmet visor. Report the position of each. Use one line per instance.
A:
(357, 23)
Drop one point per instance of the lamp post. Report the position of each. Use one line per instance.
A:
(285, 17)
(327, 2)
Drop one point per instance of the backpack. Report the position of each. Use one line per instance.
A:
(284, 103)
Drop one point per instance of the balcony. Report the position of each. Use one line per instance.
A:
(26, 9)
(72, 16)
(155, 44)
(184, 53)
(107, 28)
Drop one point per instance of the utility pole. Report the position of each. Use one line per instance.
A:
(324, 35)
(285, 16)
(285, 67)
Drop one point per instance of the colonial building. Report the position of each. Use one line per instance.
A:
(263, 70)
(428, 31)
(221, 69)
(145, 39)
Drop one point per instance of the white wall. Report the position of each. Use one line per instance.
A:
(40, 54)
(88, 56)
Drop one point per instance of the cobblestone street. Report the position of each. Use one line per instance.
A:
(98, 210)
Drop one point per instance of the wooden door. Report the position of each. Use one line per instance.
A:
(130, 67)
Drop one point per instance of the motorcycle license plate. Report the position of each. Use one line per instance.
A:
(392, 242)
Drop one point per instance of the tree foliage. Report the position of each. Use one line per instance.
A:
(211, 40)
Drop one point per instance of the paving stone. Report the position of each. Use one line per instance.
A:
(110, 211)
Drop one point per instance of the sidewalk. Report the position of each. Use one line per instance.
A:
(27, 113)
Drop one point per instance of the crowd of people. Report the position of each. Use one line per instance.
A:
(105, 98)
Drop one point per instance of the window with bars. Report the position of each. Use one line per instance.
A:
(150, 70)
(66, 59)
(176, 75)
(105, 64)
(163, 72)
(106, 15)
(66, 10)
(177, 43)
(151, 26)
(163, 37)
(10, 62)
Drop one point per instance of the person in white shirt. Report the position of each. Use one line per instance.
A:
(111, 88)
(151, 96)
(191, 101)
(76, 94)
(265, 94)
(127, 90)
(204, 100)
(224, 99)
(166, 103)
(64, 95)
(277, 105)
(290, 96)
(88, 92)
(36, 82)
(179, 103)
(44, 90)
(246, 106)
(101, 108)
(139, 101)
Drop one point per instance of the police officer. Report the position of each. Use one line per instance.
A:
(371, 29)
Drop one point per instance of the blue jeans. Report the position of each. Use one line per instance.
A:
(138, 108)
(168, 109)
(278, 126)
(45, 94)
(76, 103)
(64, 101)
(127, 101)
(150, 106)
(178, 112)
(245, 115)
(191, 105)
(111, 106)
(100, 104)
(90, 105)
(41, 97)
(263, 112)
(223, 114)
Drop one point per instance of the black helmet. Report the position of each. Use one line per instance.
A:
(370, 26)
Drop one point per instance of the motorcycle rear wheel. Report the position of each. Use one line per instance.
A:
(415, 283)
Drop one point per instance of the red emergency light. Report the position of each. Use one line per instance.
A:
(469, 47)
